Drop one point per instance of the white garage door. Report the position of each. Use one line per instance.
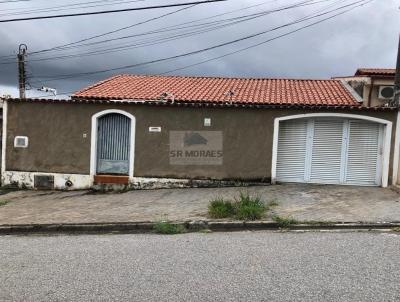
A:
(330, 151)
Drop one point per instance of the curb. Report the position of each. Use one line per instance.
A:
(191, 226)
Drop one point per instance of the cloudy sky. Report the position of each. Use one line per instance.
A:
(366, 36)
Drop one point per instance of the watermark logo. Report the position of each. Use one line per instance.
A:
(194, 138)
(195, 148)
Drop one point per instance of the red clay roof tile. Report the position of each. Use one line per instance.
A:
(214, 89)
(376, 71)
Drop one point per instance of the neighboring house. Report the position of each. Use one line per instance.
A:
(129, 128)
(374, 85)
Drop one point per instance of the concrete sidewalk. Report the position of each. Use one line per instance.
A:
(300, 201)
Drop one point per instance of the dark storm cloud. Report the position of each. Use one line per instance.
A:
(367, 36)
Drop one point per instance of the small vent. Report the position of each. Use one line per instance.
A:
(21, 142)
(44, 182)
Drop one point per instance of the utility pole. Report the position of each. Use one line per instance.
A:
(21, 70)
(396, 93)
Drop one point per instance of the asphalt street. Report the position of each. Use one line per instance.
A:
(242, 266)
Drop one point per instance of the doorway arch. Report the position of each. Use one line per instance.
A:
(108, 115)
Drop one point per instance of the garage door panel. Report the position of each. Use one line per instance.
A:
(326, 151)
(363, 153)
(292, 151)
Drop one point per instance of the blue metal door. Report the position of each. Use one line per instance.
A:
(113, 144)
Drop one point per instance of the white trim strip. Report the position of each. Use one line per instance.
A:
(4, 140)
(309, 148)
(344, 151)
(352, 91)
(275, 150)
(396, 151)
(387, 136)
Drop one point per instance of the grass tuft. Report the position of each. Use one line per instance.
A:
(4, 202)
(284, 222)
(168, 228)
(249, 207)
(245, 207)
(220, 208)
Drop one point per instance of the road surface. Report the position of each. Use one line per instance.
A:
(242, 266)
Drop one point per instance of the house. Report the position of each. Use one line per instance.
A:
(374, 85)
(129, 128)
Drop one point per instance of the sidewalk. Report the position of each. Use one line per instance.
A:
(300, 201)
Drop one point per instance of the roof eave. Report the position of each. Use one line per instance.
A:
(208, 104)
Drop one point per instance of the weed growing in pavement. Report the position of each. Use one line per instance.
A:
(284, 222)
(245, 207)
(4, 202)
(220, 208)
(168, 228)
(249, 207)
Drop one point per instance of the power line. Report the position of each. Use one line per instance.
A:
(60, 47)
(110, 11)
(164, 39)
(113, 31)
(266, 41)
(89, 4)
(208, 48)
(9, 1)
(355, 5)
(100, 35)
(175, 27)
(199, 29)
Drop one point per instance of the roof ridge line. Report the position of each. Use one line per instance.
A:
(221, 77)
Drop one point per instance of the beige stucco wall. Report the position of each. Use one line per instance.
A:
(57, 143)
(375, 101)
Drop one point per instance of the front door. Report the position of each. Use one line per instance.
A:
(113, 144)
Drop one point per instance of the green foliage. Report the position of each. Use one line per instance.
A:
(249, 207)
(220, 208)
(4, 202)
(166, 227)
(246, 207)
(284, 222)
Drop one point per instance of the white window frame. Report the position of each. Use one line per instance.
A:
(94, 135)
(387, 136)
(21, 137)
